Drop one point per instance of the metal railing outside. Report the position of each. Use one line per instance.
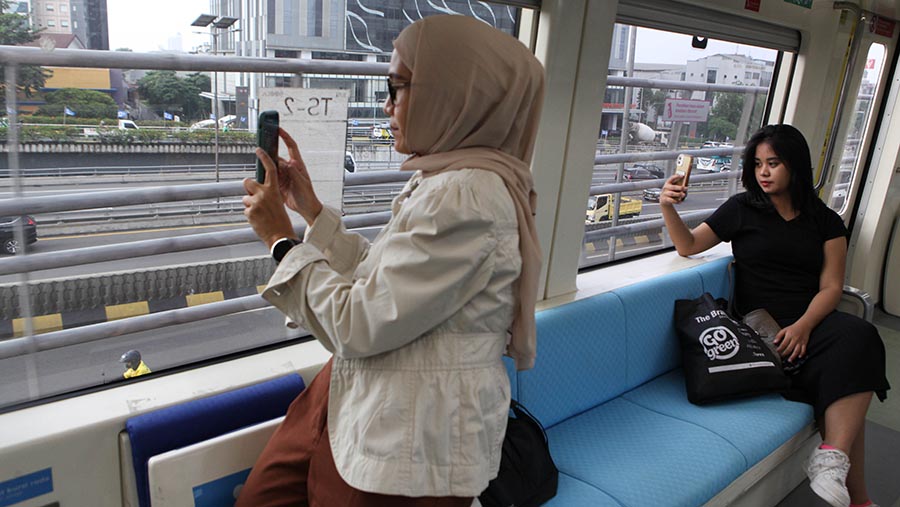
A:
(22, 264)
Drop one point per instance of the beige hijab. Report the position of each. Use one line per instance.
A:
(474, 102)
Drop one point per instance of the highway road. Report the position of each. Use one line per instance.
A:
(67, 369)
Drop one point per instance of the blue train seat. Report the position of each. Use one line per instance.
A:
(194, 421)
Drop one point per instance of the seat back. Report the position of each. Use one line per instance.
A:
(187, 423)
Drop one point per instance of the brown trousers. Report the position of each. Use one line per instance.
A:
(297, 468)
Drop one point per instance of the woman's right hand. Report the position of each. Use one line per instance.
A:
(295, 183)
(673, 192)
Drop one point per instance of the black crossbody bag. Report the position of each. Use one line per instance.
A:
(528, 477)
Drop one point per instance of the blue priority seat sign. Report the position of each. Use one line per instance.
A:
(25, 487)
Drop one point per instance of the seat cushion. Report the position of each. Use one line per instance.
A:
(580, 359)
(641, 458)
(574, 493)
(755, 426)
(650, 329)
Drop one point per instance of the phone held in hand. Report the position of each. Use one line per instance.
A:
(683, 167)
(267, 139)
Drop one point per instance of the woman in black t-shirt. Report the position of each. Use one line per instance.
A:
(790, 251)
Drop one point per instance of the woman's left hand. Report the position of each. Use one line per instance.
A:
(264, 206)
(792, 340)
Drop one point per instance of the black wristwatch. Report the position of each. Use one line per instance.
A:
(281, 247)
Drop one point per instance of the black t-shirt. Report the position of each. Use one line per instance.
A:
(779, 262)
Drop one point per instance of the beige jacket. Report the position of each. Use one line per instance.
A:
(417, 323)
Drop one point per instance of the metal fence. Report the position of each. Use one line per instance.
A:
(22, 264)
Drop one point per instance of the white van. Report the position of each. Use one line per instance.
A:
(127, 125)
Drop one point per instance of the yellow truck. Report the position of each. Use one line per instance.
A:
(600, 208)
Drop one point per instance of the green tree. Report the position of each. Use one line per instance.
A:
(653, 98)
(719, 128)
(724, 116)
(167, 92)
(728, 106)
(14, 30)
(85, 103)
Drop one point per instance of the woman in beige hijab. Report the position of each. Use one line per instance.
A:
(412, 408)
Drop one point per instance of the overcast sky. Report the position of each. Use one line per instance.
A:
(148, 26)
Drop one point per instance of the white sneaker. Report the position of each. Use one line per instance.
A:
(827, 471)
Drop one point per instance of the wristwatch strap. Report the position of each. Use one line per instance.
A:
(281, 247)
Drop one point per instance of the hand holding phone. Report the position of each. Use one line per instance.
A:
(267, 139)
(683, 167)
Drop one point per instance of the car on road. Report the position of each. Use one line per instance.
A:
(349, 162)
(643, 172)
(714, 164)
(8, 242)
(652, 194)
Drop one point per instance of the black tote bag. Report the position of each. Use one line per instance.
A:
(723, 358)
(527, 477)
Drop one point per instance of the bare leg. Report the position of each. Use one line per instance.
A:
(845, 429)
(856, 477)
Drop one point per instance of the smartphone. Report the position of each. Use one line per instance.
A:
(267, 139)
(683, 167)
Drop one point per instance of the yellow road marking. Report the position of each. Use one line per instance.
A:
(41, 324)
(123, 311)
(204, 298)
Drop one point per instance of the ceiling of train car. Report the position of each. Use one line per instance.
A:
(886, 8)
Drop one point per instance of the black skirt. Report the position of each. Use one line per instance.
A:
(844, 356)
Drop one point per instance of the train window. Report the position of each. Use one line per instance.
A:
(665, 96)
(858, 122)
(99, 260)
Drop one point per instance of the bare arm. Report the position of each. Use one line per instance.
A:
(687, 241)
(792, 340)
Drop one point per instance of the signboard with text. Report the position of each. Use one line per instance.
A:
(686, 110)
(317, 120)
(882, 26)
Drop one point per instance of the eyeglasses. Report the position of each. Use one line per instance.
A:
(393, 87)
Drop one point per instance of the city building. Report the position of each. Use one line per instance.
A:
(729, 69)
(330, 30)
(85, 18)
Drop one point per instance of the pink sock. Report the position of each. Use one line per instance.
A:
(867, 504)
(826, 447)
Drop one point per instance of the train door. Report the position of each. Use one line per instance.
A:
(858, 177)
(856, 109)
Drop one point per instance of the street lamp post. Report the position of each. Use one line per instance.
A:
(214, 25)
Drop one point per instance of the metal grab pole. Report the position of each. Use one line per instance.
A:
(852, 52)
(25, 310)
(623, 138)
(215, 37)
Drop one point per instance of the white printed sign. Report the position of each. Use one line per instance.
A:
(685, 110)
(317, 120)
